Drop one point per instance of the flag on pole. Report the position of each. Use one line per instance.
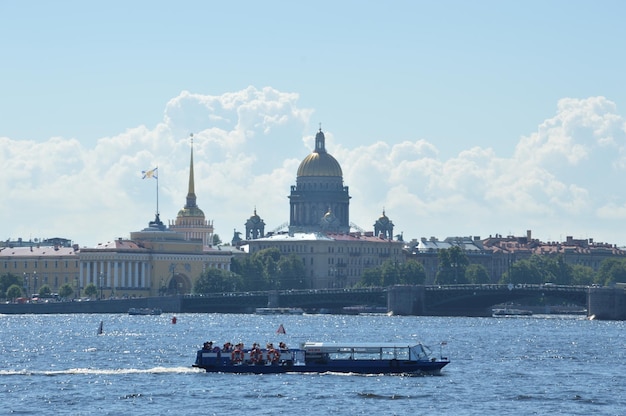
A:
(150, 173)
(281, 329)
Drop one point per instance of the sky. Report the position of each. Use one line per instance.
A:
(456, 118)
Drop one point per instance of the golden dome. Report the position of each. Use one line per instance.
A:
(319, 163)
(191, 212)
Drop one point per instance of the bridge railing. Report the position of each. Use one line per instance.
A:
(287, 292)
(377, 289)
(510, 286)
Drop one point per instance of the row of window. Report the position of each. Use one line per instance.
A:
(299, 248)
(363, 249)
(45, 264)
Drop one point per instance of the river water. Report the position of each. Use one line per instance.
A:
(142, 365)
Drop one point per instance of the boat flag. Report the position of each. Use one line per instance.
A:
(152, 173)
(281, 329)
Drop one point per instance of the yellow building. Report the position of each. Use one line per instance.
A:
(154, 261)
(44, 263)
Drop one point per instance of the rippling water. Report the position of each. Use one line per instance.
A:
(142, 365)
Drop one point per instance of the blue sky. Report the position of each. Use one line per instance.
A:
(459, 118)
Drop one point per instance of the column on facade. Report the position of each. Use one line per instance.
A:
(81, 274)
(116, 266)
(123, 282)
(94, 272)
(136, 276)
(109, 275)
(143, 274)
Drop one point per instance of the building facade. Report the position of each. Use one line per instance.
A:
(497, 253)
(333, 260)
(155, 261)
(41, 264)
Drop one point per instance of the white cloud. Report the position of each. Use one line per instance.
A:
(560, 180)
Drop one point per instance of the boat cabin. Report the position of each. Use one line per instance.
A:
(323, 352)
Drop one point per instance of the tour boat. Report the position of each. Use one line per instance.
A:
(279, 311)
(322, 357)
(145, 311)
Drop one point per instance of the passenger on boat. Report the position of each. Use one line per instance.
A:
(256, 356)
(227, 347)
(207, 345)
(237, 355)
(273, 355)
(283, 346)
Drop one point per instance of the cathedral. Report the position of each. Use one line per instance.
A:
(320, 229)
(319, 201)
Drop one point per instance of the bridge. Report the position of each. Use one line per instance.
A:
(444, 300)
(448, 300)
(477, 300)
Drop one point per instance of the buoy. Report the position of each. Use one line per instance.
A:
(173, 319)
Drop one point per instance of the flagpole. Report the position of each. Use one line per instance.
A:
(157, 188)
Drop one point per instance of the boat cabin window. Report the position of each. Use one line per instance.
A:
(418, 352)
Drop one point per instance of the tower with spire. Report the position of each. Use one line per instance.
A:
(191, 220)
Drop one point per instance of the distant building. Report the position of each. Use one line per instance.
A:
(39, 265)
(498, 253)
(154, 261)
(319, 227)
(333, 260)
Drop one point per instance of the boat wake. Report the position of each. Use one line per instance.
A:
(101, 371)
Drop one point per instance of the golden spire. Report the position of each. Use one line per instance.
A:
(191, 193)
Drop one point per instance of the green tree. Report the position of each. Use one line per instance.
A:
(216, 240)
(477, 274)
(13, 292)
(260, 271)
(250, 269)
(9, 279)
(217, 281)
(523, 271)
(66, 291)
(371, 277)
(554, 269)
(270, 272)
(612, 270)
(413, 273)
(392, 273)
(44, 291)
(582, 275)
(91, 290)
(291, 272)
(452, 265)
